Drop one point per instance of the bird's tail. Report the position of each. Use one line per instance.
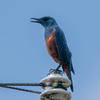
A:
(67, 69)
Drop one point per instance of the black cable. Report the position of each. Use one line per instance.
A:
(22, 89)
(21, 84)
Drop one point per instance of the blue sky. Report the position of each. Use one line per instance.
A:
(23, 55)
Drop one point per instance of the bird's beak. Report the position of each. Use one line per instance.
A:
(37, 20)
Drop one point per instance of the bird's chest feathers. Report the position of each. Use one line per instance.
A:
(51, 45)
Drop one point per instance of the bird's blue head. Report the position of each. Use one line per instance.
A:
(45, 21)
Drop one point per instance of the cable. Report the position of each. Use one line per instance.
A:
(8, 85)
(22, 89)
(21, 84)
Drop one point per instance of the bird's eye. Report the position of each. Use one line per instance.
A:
(45, 19)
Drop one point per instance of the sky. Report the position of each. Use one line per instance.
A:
(23, 54)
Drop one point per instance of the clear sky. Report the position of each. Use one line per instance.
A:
(23, 55)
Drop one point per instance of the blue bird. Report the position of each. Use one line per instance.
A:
(56, 45)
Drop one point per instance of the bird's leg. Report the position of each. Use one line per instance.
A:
(54, 70)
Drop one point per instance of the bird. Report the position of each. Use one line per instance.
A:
(56, 45)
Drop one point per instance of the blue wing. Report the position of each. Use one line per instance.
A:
(64, 54)
(62, 48)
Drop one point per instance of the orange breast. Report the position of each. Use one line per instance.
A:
(51, 47)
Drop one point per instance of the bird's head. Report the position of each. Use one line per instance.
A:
(45, 21)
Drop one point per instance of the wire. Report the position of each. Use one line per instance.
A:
(8, 85)
(22, 89)
(21, 84)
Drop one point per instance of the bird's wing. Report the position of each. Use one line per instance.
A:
(63, 51)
